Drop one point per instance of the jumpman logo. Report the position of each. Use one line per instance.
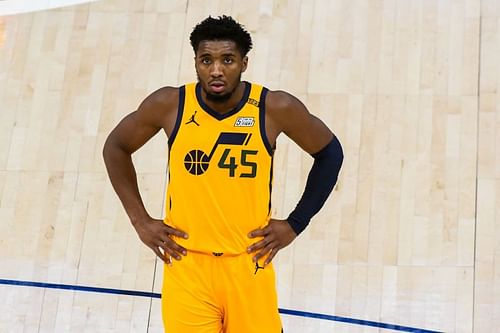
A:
(192, 120)
(257, 267)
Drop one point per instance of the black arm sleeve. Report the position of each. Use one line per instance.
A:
(320, 183)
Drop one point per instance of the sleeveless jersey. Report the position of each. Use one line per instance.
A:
(220, 172)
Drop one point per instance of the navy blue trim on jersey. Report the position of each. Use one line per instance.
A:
(262, 121)
(216, 114)
(271, 182)
(180, 110)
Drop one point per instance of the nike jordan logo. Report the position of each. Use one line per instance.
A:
(257, 267)
(192, 120)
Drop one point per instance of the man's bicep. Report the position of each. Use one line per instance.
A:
(132, 132)
(154, 113)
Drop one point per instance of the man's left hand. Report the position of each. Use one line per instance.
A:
(277, 235)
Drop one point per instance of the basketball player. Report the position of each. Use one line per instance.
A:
(218, 229)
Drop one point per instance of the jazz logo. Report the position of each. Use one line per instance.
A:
(197, 161)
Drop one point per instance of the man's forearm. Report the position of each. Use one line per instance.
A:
(123, 177)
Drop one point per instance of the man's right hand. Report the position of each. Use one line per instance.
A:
(158, 237)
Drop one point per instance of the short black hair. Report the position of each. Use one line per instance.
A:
(221, 28)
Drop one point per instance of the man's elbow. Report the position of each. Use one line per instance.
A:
(109, 148)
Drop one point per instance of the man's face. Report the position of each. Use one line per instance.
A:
(219, 65)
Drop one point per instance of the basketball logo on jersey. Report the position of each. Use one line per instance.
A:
(197, 161)
(244, 122)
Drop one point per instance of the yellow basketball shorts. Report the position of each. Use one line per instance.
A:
(205, 293)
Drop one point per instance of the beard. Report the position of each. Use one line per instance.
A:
(217, 98)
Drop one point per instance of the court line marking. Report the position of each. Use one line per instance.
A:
(156, 295)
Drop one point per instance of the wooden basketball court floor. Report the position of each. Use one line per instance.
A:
(409, 240)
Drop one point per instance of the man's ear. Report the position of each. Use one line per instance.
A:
(245, 64)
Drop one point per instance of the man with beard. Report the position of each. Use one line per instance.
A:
(218, 227)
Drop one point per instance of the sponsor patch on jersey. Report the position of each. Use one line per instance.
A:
(244, 122)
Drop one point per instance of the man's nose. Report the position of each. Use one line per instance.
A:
(216, 69)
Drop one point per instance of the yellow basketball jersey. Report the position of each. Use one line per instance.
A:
(220, 172)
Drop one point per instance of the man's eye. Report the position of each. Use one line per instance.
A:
(205, 61)
(228, 60)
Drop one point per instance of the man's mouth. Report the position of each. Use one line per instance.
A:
(217, 86)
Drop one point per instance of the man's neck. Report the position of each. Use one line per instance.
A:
(230, 104)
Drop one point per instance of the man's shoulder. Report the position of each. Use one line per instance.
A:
(166, 94)
(283, 108)
(280, 101)
(164, 98)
